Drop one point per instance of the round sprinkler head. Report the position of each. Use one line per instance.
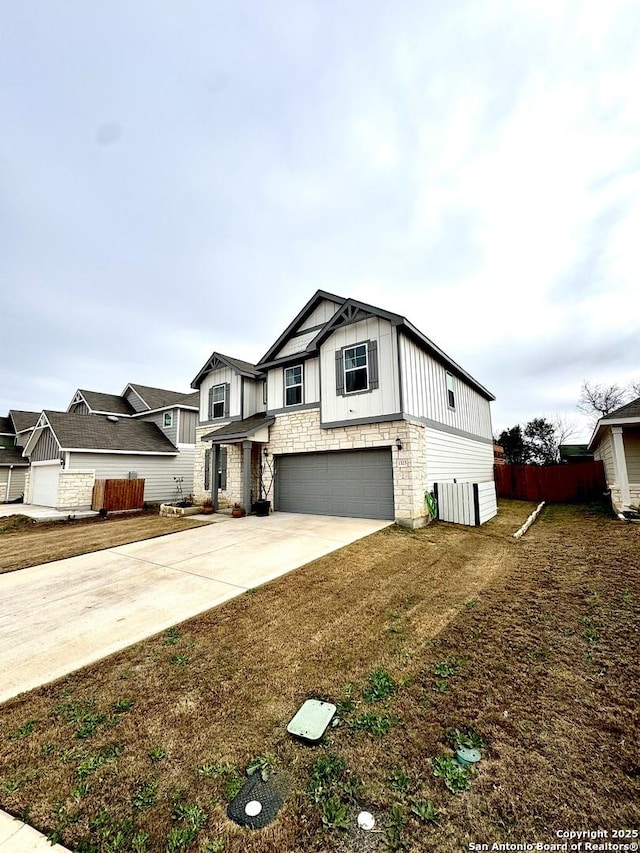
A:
(253, 808)
(466, 756)
(366, 821)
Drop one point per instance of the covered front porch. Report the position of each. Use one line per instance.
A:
(245, 477)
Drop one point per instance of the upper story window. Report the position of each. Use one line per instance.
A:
(451, 397)
(356, 369)
(218, 401)
(293, 385)
(167, 419)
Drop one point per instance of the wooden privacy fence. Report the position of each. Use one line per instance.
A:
(582, 481)
(466, 503)
(113, 495)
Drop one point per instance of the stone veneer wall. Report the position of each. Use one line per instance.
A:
(233, 492)
(634, 496)
(300, 432)
(75, 489)
(27, 484)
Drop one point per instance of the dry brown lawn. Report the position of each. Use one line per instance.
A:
(25, 542)
(532, 645)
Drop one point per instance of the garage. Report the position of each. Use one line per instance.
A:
(44, 484)
(354, 483)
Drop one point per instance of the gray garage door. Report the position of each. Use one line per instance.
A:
(356, 483)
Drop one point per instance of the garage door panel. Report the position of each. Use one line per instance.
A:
(45, 484)
(350, 483)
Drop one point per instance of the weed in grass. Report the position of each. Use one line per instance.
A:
(172, 636)
(399, 781)
(140, 842)
(108, 755)
(465, 737)
(395, 825)
(157, 754)
(215, 846)
(47, 749)
(446, 668)
(591, 632)
(232, 785)
(381, 686)
(73, 754)
(346, 704)
(470, 602)
(325, 772)
(81, 791)
(122, 705)
(455, 777)
(179, 660)
(144, 796)
(440, 685)
(24, 731)
(191, 814)
(125, 674)
(425, 811)
(627, 597)
(264, 764)
(335, 814)
(84, 713)
(376, 725)
(215, 770)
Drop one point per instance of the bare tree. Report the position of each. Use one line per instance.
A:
(600, 400)
(634, 388)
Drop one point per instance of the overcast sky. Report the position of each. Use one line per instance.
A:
(178, 178)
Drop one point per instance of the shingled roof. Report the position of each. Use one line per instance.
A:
(159, 398)
(112, 403)
(79, 432)
(12, 456)
(6, 427)
(23, 420)
(629, 410)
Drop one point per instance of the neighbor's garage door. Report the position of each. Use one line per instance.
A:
(357, 483)
(45, 484)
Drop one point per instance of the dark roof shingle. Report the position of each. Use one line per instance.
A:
(629, 410)
(12, 456)
(112, 403)
(94, 432)
(23, 420)
(6, 427)
(158, 398)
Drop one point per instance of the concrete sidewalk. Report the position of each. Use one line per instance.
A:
(60, 616)
(17, 837)
(42, 513)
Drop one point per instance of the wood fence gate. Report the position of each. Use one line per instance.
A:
(114, 495)
(582, 481)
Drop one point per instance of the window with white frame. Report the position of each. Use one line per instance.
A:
(356, 369)
(167, 419)
(293, 385)
(218, 393)
(451, 397)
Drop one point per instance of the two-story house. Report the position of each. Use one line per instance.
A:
(351, 412)
(145, 432)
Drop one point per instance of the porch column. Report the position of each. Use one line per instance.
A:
(213, 475)
(620, 462)
(246, 476)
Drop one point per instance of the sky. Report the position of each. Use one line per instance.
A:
(180, 178)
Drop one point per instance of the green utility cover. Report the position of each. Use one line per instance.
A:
(312, 719)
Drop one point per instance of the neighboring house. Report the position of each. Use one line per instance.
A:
(146, 433)
(352, 412)
(616, 441)
(575, 453)
(12, 464)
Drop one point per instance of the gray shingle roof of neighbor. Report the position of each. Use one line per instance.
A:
(158, 398)
(629, 410)
(81, 432)
(6, 427)
(23, 420)
(12, 456)
(112, 403)
(238, 430)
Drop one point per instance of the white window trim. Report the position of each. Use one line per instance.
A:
(164, 420)
(353, 369)
(297, 385)
(215, 403)
(452, 390)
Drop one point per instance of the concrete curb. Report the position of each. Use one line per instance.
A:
(529, 521)
(19, 837)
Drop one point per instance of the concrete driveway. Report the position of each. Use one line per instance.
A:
(60, 616)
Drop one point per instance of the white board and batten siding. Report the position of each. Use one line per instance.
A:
(455, 457)
(383, 400)
(320, 315)
(221, 376)
(310, 384)
(157, 471)
(466, 503)
(424, 393)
